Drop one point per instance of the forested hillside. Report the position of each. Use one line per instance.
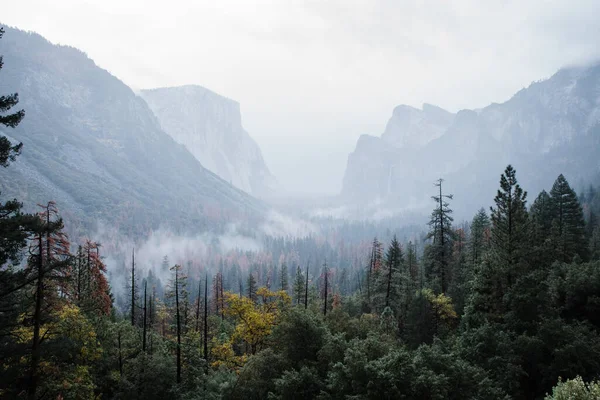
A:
(98, 150)
(505, 306)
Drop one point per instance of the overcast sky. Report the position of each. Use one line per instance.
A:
(312, 76)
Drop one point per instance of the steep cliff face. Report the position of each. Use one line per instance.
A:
(551, 127)
(410, 127)
(97, 149)
(210, 126)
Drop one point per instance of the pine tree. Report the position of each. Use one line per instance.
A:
(132, 287)
(391, 275)
(15, 228)
(595, 244)
(479, 239)
(178, 287)
(373, 269)
(567, 222)
(218, 298)
(306, 289)
(591, 223)
(198, 303)
(252, 287)
(439, 252)
(411, 262)
(284, 277)
(8, 151)
(325, 292)
(144, 334)
(541, 229)
(298, 285)
(91, 285)
(205, 323)
(461, 274)
(151, 318)
(48, 264)
(510, 228)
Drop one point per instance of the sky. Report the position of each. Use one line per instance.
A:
(312, 76)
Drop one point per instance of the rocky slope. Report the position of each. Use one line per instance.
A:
(210, 126)
(97, 149)
(551, 127)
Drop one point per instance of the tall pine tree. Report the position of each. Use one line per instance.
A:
(540, 213)
(299, 285)
(510, 228)
(439, 252)
(9, 151)
(568, 226)
(479, 238)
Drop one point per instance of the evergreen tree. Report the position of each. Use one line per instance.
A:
(205, 323)
(411, 262)
(461, 273)
(177, 291)
(325, 292)
(439, 252)
(373, 269)
(284, 277)
(218, 294)
(198, 304)
(145, 317)
(252, 287)
(479, 238)
(510, 228)
(542, 251)
(298, 285)
(8, 151)
(568, 226)
(48, 264)
(306, 289)
(486, 298)
(391, 275)
(15, 229)
(133, 289)
(90, 285)
(595, 244)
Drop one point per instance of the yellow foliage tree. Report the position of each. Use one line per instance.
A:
(223, 354)
(65, 372)
(443, 309)
(255, 321)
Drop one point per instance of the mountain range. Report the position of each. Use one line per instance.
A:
(548, 128)
(180, 156)
(96, 148)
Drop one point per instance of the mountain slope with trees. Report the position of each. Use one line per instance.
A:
(96, 149)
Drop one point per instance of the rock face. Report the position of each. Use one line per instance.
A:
(210, 126)
(551, 127)
(413, 128)
(97, 149)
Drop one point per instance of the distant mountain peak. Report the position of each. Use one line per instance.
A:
(410, 127)
(210, 126)
(549, 127)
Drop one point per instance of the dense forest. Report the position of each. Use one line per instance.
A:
(506, 306)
